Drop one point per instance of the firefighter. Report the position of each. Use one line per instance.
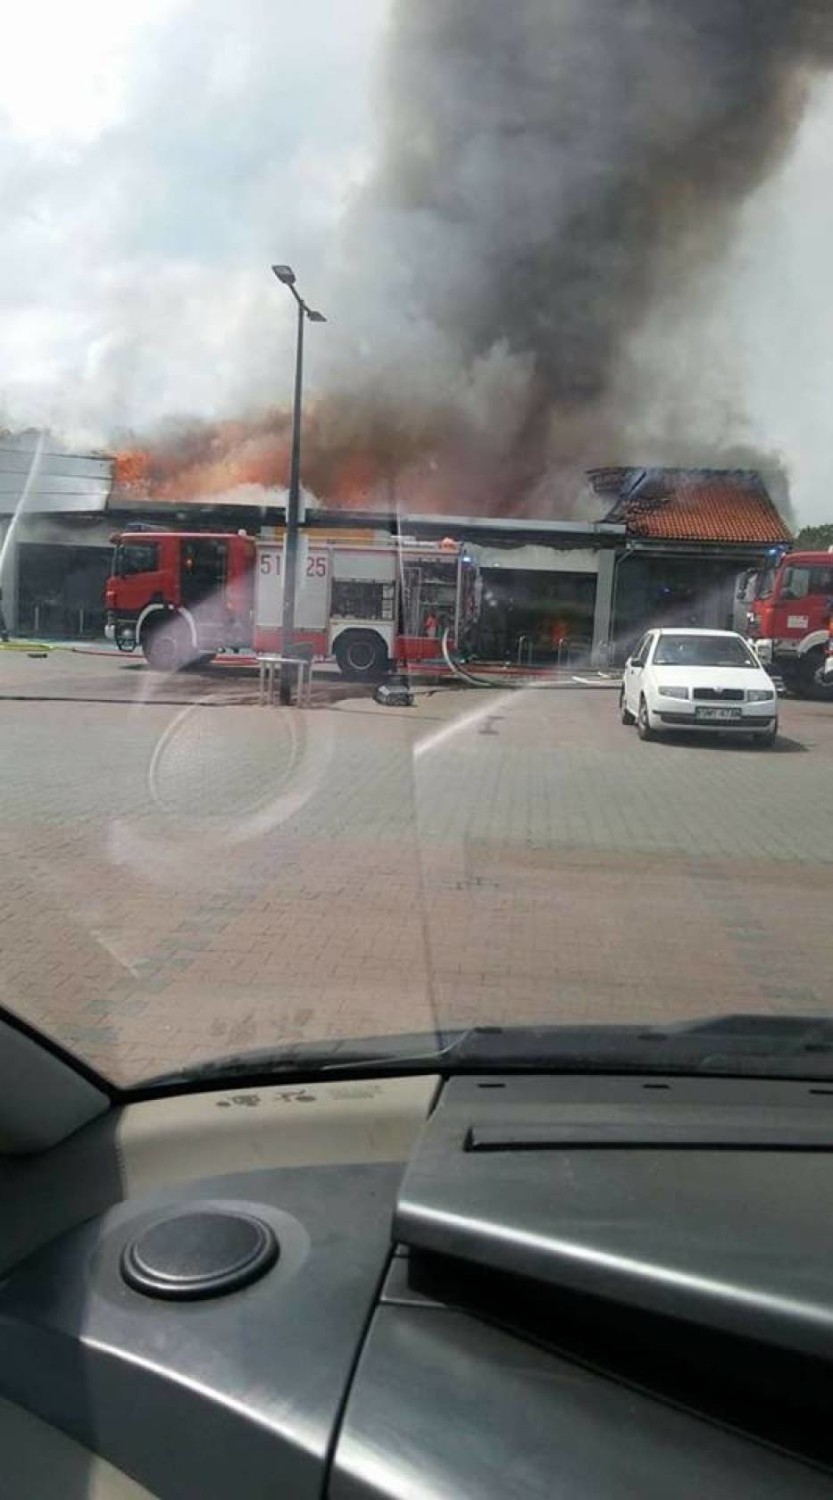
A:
(4, 632)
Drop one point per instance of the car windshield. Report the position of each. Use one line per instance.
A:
(389, 386)
(703, 651)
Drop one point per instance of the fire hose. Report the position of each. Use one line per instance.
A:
(504, 682)
(458, 670)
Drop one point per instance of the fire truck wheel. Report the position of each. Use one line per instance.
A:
(361, 655)
(808, 672)
(168, 647)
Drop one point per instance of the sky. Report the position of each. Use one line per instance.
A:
(156, 156)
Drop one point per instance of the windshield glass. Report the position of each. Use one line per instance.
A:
(802, 580)
(703, 651)
(795, 583)
(136, 557)
(388, 387)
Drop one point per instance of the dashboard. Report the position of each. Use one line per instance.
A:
(416, 1287)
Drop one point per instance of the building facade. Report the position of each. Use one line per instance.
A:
(55, 530)
(666, 545)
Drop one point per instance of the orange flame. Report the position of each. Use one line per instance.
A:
(204, 461)
(132, 469)
(357, 454)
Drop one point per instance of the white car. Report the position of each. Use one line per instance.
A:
(703, 680)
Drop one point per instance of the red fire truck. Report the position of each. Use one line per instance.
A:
(789, 620)
(184, 597)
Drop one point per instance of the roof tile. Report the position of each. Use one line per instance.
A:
(701, 506)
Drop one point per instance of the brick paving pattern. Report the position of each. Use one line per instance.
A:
(183, 881)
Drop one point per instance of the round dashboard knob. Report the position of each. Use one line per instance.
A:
(200, 1252)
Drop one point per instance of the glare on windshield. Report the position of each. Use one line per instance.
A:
(703, 651)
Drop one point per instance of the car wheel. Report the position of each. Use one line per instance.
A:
(766, 738)
(643, 722)
(624, 712)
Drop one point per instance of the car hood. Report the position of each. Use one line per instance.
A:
(716, 677)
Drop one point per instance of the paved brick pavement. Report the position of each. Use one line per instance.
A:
(183, 881)
(63, 672)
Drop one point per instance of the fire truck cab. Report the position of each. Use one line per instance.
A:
(182, 598)
(790, 607)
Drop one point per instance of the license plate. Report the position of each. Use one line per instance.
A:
(717, 713)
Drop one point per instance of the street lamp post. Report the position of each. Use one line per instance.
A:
(286, 275)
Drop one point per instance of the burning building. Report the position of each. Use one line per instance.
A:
(661, 544)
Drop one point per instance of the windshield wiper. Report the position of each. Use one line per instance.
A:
(419, 1052)
(747, 1046)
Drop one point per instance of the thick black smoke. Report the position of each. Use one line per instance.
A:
(546, 160)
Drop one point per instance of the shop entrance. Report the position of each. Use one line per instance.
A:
(60, 590)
